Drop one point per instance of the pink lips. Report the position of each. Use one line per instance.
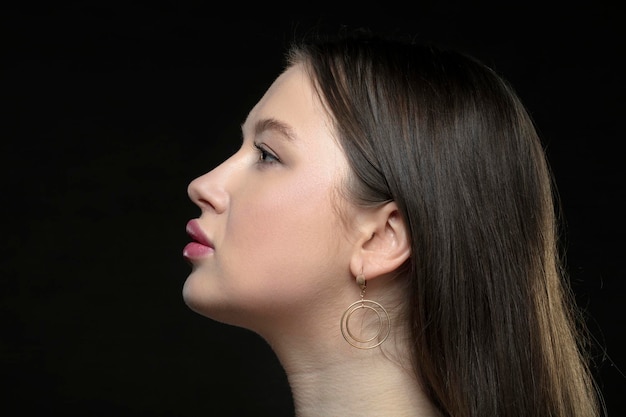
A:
(201, 246)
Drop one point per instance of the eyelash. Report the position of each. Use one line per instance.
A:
(264, 154)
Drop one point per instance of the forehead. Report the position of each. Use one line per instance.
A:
(292, 100)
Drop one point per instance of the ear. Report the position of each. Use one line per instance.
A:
(383, 244)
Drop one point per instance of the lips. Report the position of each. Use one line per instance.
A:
(201, 245)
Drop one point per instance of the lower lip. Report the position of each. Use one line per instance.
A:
(195, 250)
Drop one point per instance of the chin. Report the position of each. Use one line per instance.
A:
(200, 299)
(196, 296)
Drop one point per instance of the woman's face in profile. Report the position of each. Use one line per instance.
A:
(271, 213)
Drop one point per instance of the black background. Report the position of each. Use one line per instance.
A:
(110, 109)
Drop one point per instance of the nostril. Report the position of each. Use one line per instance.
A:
(207, 194)
(209, 191)
(218, 200)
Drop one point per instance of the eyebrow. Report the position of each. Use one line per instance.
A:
(271, 124)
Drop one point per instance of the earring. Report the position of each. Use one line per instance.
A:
(384, 327)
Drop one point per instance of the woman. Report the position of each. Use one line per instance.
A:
(388, 227)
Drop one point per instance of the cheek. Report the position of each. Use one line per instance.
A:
(284, 233)
(286, 214)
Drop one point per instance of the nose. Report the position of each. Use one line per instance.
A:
(209, 191)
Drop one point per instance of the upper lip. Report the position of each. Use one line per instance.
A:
(196, 233)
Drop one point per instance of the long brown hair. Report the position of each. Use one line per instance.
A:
(493, 322)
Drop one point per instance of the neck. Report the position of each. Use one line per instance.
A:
(345, 381)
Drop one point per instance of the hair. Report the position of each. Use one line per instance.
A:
(493, 324)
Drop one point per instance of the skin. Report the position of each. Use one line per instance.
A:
(288, 246)
(267, 260)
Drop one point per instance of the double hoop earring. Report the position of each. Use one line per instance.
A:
(383, 328)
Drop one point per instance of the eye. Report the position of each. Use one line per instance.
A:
(265, 156)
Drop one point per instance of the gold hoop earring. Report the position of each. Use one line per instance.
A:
(384, 324)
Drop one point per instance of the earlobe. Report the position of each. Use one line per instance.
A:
(386, 243)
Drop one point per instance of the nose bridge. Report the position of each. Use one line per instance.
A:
(211, 190)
